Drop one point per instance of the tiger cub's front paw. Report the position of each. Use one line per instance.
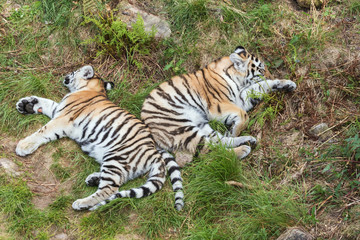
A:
(28, 105)
(25, 147)
(80, 204)
(285, 85)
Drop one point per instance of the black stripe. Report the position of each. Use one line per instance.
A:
(178, 198)
(132, 193)
(125, 121)
(174, 180)
(146, 191)
(88, 115)
(75, 102)
(172, 169)
(177, 91)
(190, 94)
(164, 109)
(190, 138)
(170, 119)
(155, 183)
(169, 159)
(210, 86)
(226, 87)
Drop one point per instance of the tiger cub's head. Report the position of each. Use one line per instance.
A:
(249, 65)
(85, 79)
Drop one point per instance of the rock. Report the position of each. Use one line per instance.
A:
(61, 236)
(8, 8)
(318, 131)
(183, 158)
(129, 15)
(9, 167)
(307, 3)
(295, 234)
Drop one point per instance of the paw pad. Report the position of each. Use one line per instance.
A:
(26, 105)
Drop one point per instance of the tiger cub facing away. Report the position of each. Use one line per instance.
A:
(179, 110)
(117, 140)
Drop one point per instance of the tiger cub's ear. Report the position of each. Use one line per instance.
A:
(109, 85)
(87, 72)
(239, 63)
(239, 49)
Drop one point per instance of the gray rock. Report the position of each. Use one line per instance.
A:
(9, 166)
(129, 15)
(307, 3)
(60, 236)
(295, 234)
(319, 131)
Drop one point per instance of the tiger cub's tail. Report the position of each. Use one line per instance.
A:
(175, 178)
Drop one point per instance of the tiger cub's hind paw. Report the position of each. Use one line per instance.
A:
(80, 204)
(93, 179)
(242, 151)
(27, 105)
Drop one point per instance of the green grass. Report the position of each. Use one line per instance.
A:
(214, 209)
(42, 41)
(22, 217)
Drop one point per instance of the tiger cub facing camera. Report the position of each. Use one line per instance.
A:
(118, 141)
(178, 111)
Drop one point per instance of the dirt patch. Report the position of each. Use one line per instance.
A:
(3, 233)
(9, 7)
(35, 170)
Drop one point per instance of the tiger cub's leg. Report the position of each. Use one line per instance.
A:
(109, 183)
(93, 179)
(36, 105)
(107, 191)
(254, 93)
(53, 130)
(238, 144)
(231, 115)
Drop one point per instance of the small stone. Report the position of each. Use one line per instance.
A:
(307, 3)
(60, 236)
(318, 131)
(183, 158)
(9, 166)
(129, 16)
(295, 234)
(8, 8)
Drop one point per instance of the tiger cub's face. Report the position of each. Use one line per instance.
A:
(85, 78)
(249, 65)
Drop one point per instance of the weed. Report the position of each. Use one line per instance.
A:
(272, 105)
(341, 170)
(185, 14)
(115, 39)
(55, 12)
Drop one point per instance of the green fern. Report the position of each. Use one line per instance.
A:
(114, 38)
